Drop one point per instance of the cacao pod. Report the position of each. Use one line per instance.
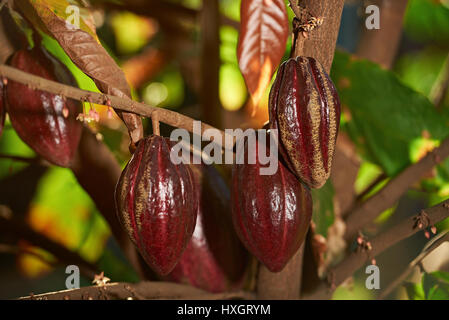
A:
(157, 204)
(214, 259)
(305, 108)
(38, 116)
(271, 213)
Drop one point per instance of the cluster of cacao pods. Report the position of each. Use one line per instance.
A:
(272, 213)
(44, 121)
(161, 204)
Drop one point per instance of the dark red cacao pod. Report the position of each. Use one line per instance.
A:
(38, 116)
(157, 204)
(271, 213)
(305, 108)
(214, 259)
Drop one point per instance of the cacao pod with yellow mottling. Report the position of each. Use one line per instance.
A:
(157, 204)
(45, 121)
(305, 108)
(271, 213)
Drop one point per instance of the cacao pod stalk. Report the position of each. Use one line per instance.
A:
(157, 204)
(214, 259)
(271, 213)
(38, 116)
(305, 108)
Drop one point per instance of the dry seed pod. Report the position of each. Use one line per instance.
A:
(305, 108)
(271, 213)
(37, 116)
(157, 204)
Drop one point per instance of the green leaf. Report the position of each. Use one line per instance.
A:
(323, 208)
(421, 70)
(64, 212)
(436, 285)
(415, 291)
(385, 118)
(427, 20)
(11, 144)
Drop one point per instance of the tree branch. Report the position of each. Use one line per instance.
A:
(210, 62)
(380, 243)
(139, 291)
(320, 45)
(35, 160)
(367, 211)
(169, 117)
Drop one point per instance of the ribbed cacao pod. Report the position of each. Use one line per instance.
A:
(305, 108)
(157, 204)
(45, 121)
(271, 213)
(214, 259)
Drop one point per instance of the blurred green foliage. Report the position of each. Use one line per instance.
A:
(323, 208)
(427, 21)
(433, 286)
(385, 117)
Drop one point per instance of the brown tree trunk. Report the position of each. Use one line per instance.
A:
(320, 44)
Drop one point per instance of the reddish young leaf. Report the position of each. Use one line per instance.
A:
(263, 36)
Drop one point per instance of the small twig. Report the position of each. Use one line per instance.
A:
(169, 117)
(430, 247)
(2, 4)
(35, 160)
(155, 122)
(293, 4)
(380, 243)
(385, 198)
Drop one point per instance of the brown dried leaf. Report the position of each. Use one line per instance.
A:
(263, 36)
(88, 55)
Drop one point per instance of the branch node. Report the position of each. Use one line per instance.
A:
(422, 220)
